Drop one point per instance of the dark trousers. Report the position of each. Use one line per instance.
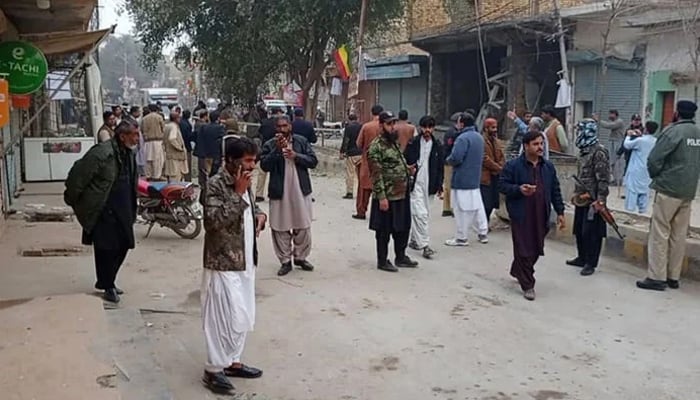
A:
(188, 175)
(489, 195)
(523, 269)
(400, 243)
(107, 264)
(589, 236)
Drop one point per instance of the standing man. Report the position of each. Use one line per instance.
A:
(232, 222)
(405, 129)
(449, 140)
(617, 135)
(175, 150)
(302, 127)
(674, 166)
(493, 163)
(106, 131)
(637, 180)
(467, 159)
(153, 128)
(118, 112)
(425, 152)
(188, 137)
(522, 127)
(531, 187)
(556, 135)
(635, 125)
(370, 131)
(594, 173)
(391, 206)
(101, 189)
(266, 132)
(208, 150)
(134, 118)
(351, 153)
(288, 158)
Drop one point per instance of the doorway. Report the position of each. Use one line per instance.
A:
(668, 107)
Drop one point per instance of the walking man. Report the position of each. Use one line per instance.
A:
(370, 131)
(467, 159)
(637, 180)
(391, 207)
(188, 137)
(590, 198)
(425, 152)
(175, 150)
(208, 150)
(153, 128)
(351, 153)
(493, 163)
(617, 134)
(531, 187)
(674, 167)
(232, 222)
(288, 159)
(101, 189)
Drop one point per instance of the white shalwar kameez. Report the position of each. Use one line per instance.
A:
(468, 210)
(420, 198)
(228, 305)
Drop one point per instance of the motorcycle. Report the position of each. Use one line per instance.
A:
(171, 205)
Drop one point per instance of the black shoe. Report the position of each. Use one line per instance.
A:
(285, 269)
(576, 262)
(406, 262)
(348, 196)
(259, 199)
(119, 291)
(388, 267)
(217, 382)
(305, 265)
(652, 284)
(673, 284)
(358, 216)
(587, 270)
(244, 372)
(111, 296)
(448, 214)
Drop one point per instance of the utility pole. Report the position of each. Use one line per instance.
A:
(564, 65)
(354, 85)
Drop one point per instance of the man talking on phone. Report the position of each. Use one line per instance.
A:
(232, 222)
(288, 159)
(530, 184)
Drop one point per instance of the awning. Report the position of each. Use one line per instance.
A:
(62, 16)
(67, 43)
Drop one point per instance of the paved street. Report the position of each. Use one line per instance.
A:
(455, 328)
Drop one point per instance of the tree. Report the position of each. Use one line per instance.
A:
(119, 56)
(689, 13)
(242, 43)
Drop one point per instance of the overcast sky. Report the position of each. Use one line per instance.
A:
(109, 15)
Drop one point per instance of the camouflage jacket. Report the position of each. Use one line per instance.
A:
(224, 240)
(594, 172)
(388, 170)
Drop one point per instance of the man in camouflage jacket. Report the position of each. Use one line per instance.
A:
(590, 198)
(391, 209)
(232, 222)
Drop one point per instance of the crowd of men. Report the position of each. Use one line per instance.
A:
(400, 168)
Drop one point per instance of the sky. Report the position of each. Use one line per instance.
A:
(109, 15)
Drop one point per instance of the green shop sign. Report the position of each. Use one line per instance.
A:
(23, 65)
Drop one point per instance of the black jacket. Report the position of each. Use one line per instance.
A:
(449, 140)
(272, 161)
(187, 134)
(517, 172)
(349, 146)
(209, 141)
(267, 130)
(304, 128)
(436, 164)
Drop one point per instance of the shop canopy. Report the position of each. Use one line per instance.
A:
(61, 16)
(67, 43)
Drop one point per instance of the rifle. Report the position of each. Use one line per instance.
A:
(605, 213)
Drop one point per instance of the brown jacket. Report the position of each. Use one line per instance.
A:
(224, 238)
(370, 131)
(153, 127)
(552, 138)
(406, 132)
(494, 160)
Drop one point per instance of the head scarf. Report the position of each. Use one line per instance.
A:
(539, 122)
(586, 133)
